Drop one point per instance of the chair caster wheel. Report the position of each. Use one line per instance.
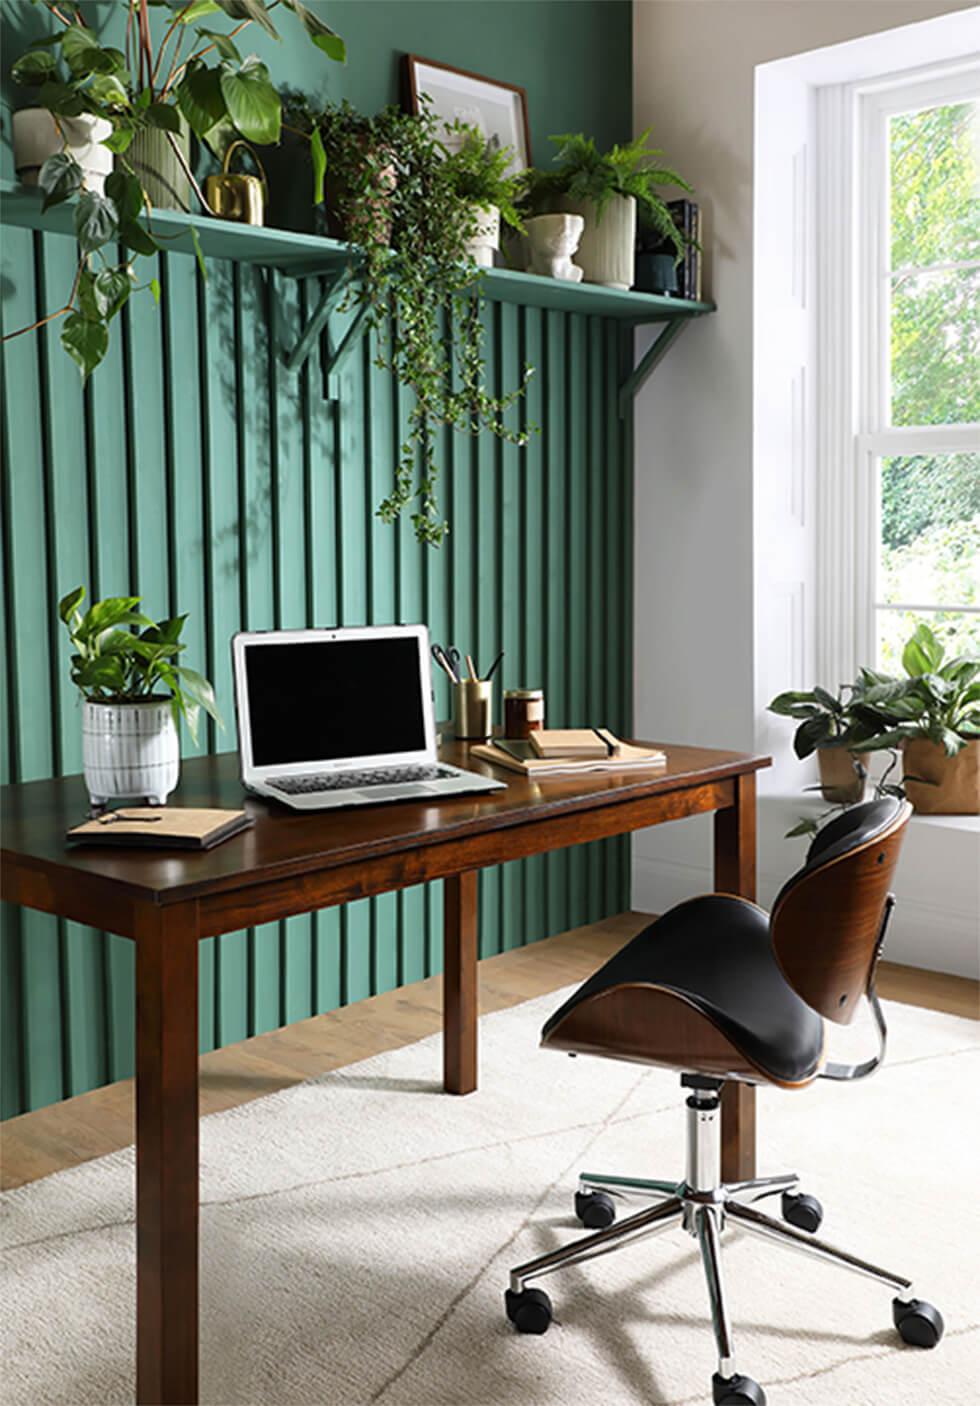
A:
(737, 1391)
(805, 1212)
(920, 1323)
(529, 1311)
(595, 1209)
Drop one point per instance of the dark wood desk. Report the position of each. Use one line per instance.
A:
(166, 901)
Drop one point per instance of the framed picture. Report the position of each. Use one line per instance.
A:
(498, 110)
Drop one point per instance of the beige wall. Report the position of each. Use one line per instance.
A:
(693, 66)
(693, 83)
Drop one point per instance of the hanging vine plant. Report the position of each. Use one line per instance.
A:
(392, 193)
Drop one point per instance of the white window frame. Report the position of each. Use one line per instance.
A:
(853, 412)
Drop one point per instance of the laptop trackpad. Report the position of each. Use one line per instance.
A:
(399, 793)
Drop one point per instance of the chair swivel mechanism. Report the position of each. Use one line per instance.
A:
(721, 991)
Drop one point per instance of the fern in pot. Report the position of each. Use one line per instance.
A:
(477, 173)
(605, 189)
(134, 691)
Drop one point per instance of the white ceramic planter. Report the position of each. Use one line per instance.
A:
(130, 751)
(607, 251)
(553, 239)
(486, 241)
(36, 137)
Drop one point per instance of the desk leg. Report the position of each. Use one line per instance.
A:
(735, 873)
(166, 1157)
(460, 1011)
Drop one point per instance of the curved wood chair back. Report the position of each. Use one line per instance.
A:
(827, 921)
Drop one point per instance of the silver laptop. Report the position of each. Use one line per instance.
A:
(330, 718)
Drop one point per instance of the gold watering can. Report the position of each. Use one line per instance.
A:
(238, 197)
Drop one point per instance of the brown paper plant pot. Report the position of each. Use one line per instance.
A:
(956, 780)
(841, 784)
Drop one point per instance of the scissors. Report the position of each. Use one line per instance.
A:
(447, 659)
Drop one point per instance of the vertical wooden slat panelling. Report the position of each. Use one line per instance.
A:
(197, 472)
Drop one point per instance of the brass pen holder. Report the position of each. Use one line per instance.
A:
(237, 196)
(473, 710)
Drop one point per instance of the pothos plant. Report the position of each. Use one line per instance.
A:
(396, 193)
(120, 655)
(190, 72)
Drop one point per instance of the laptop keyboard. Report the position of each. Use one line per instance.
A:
(355, 780)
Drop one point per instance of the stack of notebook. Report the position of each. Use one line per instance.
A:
(568, 750)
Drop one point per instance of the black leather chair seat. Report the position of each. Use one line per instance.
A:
(716, 951)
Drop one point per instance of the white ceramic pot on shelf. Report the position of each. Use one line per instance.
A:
(36, 137)
(607, 252)
(553, 239)
(130, 751)
(485, 241)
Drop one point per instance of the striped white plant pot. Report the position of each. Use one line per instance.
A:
(131, 751)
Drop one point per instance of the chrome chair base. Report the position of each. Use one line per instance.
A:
(703, 1205)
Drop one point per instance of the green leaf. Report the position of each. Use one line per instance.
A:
(811, 734)
(107, 614)
(252, 101)
(826, 699)
(320, 34)
(59, 178)
(249, 10)
(96, 221)
(126, 193)
(85, 342)
(78, 46)
(198, 9)
(222, 43)
(196, 686)
(163, 116)
(34, 67)
(803, 827)
(135, 237)
(109, 91)
(155, 290)
(319, 165)
(923, 654)
(119, 140)
(70, 603)
(164, 631)
(200, 98)
(60, 98)
(111, 289)
(785, 704)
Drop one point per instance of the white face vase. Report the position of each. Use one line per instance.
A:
(553, 240)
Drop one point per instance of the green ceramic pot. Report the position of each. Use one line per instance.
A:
(155, 163)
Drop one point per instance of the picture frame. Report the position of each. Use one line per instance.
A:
(497, 109)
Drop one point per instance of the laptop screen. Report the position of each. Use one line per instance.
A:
(333, 700)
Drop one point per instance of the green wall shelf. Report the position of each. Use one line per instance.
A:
(308, 255)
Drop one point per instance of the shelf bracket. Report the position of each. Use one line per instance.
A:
(335, 358)
(651, 357)
(330, 299)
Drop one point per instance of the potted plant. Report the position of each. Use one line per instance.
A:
(389, 189)
(829, 727)
(476, 172)
(147, 98)
(605, 188)
(134, 692)
(933, 714)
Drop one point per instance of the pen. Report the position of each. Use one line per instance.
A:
(493, 666)
(469, 665)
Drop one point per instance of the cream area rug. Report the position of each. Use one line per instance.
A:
(357, 1231)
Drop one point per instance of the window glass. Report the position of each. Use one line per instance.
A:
(934, 168)
(929, 551)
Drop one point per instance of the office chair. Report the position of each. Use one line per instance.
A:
(720, 991)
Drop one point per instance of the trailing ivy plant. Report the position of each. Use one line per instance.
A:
(582, 172)
(395, 192)
(218, 92)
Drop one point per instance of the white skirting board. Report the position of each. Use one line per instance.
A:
(936, 924)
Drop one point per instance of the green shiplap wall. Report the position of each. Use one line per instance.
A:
(195, 471)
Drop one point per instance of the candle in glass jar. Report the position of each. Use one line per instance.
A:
(523, 711)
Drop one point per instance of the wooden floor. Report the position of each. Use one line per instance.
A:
(95, 1123)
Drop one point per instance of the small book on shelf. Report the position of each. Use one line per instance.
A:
(163, 827)
(576, 743)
